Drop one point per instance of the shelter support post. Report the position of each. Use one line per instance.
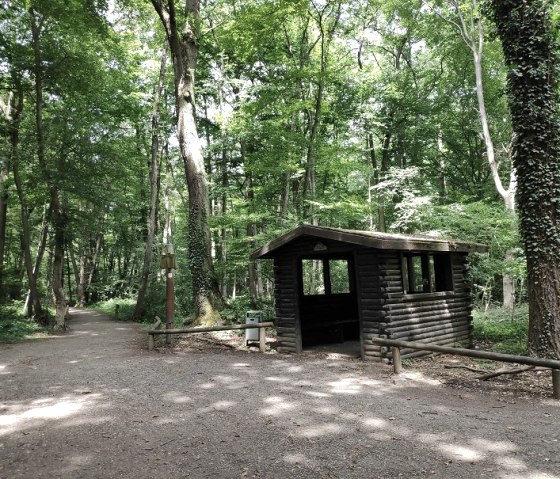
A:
(556, 383)
(397, 362)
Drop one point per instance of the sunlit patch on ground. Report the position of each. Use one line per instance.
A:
(322, 430)
(21, 416)
(276, 406)
(346, 386)
(176, 397)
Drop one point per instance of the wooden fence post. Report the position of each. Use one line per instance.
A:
(262, 340)
(397, 362)
(556, 383)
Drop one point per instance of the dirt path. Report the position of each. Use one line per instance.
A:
(96, 404)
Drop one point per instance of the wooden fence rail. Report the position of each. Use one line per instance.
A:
(551, 364)
(203, 329)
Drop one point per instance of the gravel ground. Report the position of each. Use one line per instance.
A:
(96, 404)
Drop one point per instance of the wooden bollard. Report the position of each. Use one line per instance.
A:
(397, 362)
(556, 383)
(117, 309)
(151, 342)
(262, 340)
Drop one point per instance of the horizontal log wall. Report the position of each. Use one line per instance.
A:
(371, 285)
(286, 296)
(437, 318)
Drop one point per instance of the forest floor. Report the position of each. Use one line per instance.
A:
(94, 403)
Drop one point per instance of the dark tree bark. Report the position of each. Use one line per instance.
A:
(140, 307)
(34, 299)
(12, 122)
(530, 49)
(184, 51)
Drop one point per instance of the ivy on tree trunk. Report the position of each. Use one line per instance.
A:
(530, 49)
(184, 51)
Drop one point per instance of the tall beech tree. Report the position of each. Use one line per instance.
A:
(183, 44)
(530, 49)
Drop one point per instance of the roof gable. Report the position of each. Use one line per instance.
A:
(370, 239)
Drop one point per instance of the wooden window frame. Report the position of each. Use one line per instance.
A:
(441, 283)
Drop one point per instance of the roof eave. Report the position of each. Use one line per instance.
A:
(401, 244)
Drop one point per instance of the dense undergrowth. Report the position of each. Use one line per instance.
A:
(501, 330)
(14, 326)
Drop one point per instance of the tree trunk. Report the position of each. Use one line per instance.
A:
(35, 308)
(79, 275)
(32, 298)
(473, 35)
(376, 179)
(140, 307)
(59, 220)
(527, 32)
(12, 123)
(56, 207)
(184, 51)
(12, 111)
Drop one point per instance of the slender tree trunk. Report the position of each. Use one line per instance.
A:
(140, 307)
(473, 35)
(223, 233)
(314, 116)
(58, 217)
(441, 164)
(11, 115)
(184, 51)
(528, 35)
(31, 298)
(34, 307)
(376, 179)
(34, 300)
(79, 274)
(94, 264)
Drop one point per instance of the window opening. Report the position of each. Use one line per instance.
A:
(313, 277)
(339, 278)
(325, 276)
(426, 273)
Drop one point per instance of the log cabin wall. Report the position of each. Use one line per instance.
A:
(287, 305)
(371, 287)
(441, 318)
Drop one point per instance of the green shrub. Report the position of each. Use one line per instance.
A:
(13, 324)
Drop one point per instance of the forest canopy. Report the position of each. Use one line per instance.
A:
(372, 115)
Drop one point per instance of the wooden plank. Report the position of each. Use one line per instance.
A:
(435, 335)
(210, 328)
(473, 353)
(428, 324)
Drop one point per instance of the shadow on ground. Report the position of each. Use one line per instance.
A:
(95, 404)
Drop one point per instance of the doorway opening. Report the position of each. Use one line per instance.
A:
(328, 300)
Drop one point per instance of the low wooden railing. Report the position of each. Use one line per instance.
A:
(551, 364)
(203, 329)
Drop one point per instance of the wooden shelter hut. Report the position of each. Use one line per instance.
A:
(333, 285)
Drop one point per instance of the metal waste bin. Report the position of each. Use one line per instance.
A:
(252, 317)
